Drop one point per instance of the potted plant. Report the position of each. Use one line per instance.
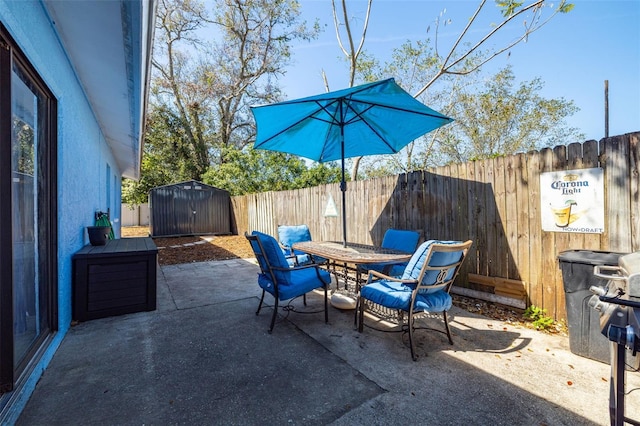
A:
(98, 235)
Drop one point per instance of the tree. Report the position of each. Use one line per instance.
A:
(500, 119)
(456, 62)
(351, 54)
(208, 86)
(164, 160)
(175, 88)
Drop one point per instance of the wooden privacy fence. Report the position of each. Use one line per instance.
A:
(494, 202)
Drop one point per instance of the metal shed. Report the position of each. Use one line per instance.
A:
(188, 208)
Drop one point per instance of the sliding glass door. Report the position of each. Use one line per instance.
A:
(28, 194)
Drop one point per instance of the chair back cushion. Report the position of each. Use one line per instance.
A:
(417, 262)
(262, 262)
(402, 240)
(290, 234)
(275, 258)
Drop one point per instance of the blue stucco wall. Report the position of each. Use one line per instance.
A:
(83, 158)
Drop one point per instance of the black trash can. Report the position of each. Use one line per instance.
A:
(585, 338)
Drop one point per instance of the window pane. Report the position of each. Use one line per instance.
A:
(24, 195)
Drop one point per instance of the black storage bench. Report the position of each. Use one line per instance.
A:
(114, 279)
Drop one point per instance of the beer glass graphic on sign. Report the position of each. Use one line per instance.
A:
(562, 213)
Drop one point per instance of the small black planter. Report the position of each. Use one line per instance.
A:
(98, 235)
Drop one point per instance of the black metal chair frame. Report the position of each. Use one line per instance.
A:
(271, 272)
(441, 283)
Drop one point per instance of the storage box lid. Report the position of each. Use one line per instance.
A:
(590, 257)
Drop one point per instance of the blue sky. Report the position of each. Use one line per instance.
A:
(573, 54)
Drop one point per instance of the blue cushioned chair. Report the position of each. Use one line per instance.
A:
(396, 239)
(281, 280)
(423, 287)
(288, 235)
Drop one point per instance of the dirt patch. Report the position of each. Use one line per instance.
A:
(175, 250)
(172, 251)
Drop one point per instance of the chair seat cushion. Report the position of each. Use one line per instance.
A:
(397, 295)
(300, 282)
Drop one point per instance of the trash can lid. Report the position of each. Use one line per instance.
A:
(590, 257)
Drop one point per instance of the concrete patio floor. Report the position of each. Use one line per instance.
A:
(204, 357)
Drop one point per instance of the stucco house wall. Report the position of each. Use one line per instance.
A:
(89, 178)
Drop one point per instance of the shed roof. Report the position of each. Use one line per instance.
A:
(190, 184)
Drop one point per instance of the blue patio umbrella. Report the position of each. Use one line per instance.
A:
(370, 119)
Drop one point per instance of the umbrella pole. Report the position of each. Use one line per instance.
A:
(343, 188)
(343, 185)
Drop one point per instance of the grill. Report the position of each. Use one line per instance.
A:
(619, 307)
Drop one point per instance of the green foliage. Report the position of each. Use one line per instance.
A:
(251, 171)
(165, 158)
(565, 7)
(319, 174)
(539, 317)
(508, 7)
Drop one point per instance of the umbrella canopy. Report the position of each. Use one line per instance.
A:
(370, 119)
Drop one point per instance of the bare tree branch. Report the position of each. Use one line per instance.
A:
(534, 25)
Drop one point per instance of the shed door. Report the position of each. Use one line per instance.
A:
(198, 203)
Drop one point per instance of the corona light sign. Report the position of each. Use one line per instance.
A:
(572, 201)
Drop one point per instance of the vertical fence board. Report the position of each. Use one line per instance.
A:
(503, 250)
(491, 219)
(521, 178)
(574, 162)
(416, 198)
(634, 189)
(536, 290)
(471, 215)
(454, 223)
(510, 206)
(462, 208)
(436, 213)
(548, 263)
(590, 160)
(562, 242)
(617, 183)
(366, 223)
(481, 218)
(444, 206)
(459, 223)
(432, 205)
